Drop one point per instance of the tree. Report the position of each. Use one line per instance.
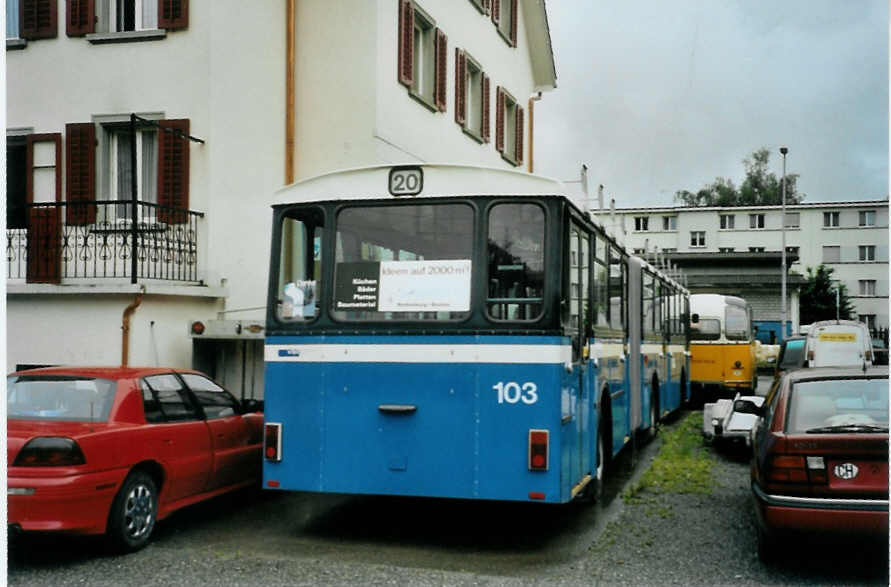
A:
(759, 188)
(817, 297)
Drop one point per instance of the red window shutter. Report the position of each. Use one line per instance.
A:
(80, 17)
(513, 22)
(406, 42)
(499, 119)
(484, 130)
(44, 248)
(460, 87)
(496, 11)
(173, 14)
(173, 171)
(80, 172)
(37, 19)
(519, 135)
(441, 57)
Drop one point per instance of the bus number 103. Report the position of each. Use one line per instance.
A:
(512, 392)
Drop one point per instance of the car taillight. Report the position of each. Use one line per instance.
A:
(816, 469)
(50, 451)
(272, 444)
(797, 469)
(538, 450)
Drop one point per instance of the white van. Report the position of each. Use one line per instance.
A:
(838, 343)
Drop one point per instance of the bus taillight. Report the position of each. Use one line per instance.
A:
(538, 450)
(272, 444)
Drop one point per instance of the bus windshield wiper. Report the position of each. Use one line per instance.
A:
(848, 428)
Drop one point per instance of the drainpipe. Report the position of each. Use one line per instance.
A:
(290, 74)
(532, 100)
(125, 327)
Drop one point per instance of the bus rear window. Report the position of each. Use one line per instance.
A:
(706, 329)
(405, 263)
(736, 323)
(516, 262)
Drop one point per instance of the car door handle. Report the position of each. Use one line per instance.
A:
(168, 441)
(397, 408)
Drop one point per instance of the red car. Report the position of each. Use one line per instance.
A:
(111, 450)
(820, 460)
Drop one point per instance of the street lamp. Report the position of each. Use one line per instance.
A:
(783, 151)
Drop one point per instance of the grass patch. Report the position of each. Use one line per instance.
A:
(683, 464)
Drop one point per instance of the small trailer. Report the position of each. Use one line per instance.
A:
(731, 420)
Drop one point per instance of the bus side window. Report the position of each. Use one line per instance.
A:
(300, 267)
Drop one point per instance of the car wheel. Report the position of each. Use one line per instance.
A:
(133, 513)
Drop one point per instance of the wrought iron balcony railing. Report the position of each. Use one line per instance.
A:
(54, 242)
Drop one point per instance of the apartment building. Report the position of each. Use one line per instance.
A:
(145, 139)
(738, 251)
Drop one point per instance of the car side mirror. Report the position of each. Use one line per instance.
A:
(249, 406)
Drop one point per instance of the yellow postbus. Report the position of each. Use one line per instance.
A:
(722, 346)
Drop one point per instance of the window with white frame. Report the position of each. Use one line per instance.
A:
(867, 218)
(868, 319)
(793, 219)
(830, 219)
(728, 221)
(725, 249)
(104, 21)
(831, 254)
(422, 56)
(669, 223)
(867, 287)
(669, 250)
(117, 16)
(471, 96)
(641, 223)
(756, 249)
(867, 252)
(115, 151)
(756, 220)
(697, 238)
(792, 251)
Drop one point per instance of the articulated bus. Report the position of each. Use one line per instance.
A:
(460, 332)
(722, 346)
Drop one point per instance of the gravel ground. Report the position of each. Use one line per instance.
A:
(677, 539)
(302, 539)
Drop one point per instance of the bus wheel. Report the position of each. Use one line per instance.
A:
(654, 408)
(595, 487)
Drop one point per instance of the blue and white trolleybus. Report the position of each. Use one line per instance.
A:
(462, 332)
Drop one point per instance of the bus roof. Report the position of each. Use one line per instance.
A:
(365, 183)
(713, 304)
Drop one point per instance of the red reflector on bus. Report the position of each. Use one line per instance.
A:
(536, 495)
(272, 443)
(538, 450)
(272, 483)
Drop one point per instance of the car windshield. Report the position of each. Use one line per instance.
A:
(824, 405)
(66, 398)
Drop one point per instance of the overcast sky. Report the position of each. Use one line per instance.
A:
(659, 96)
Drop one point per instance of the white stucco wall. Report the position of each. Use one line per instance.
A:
(226, 74)
(86, 329)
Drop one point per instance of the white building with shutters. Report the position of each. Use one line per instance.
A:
(231, 100)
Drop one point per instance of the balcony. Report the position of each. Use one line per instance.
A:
(67, 243)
